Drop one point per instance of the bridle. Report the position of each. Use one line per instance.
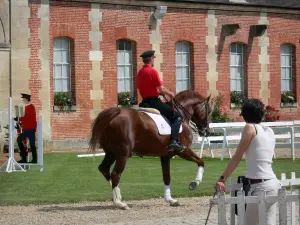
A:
(200, 126)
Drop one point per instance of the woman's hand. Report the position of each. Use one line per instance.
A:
(220, 186)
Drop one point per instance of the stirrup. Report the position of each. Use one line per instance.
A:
(176, 147)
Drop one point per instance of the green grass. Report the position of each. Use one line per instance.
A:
(67, 178)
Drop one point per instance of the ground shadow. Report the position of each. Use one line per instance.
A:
(80, 208)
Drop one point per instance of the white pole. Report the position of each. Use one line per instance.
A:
(90, 155)
(10, 121)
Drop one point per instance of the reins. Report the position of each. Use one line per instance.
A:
(178, 106)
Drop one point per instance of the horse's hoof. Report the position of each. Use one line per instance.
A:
(174, 204)
(126, 207)
(193, 185)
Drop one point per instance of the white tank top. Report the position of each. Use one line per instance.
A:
(260, 154)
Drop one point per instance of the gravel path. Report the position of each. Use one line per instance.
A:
(153, 211)
(192, 211)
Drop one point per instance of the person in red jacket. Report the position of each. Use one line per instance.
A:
(28, 124)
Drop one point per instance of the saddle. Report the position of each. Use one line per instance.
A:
(162, 123)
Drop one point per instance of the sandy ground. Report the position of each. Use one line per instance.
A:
(154, 211)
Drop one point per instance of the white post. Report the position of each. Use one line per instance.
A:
(241, 207)
(221, 208)
(224, 143)
(293, 207)
(293, 143)
(232, 206)
(262, 208)
(282, 206)
(40, 144)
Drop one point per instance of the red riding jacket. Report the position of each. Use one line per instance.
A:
(28, 121)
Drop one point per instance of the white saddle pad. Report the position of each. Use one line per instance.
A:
(163, 126)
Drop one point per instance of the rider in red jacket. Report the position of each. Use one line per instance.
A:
(29, 125)
(150, 87)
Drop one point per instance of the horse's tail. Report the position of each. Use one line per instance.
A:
(99, 126)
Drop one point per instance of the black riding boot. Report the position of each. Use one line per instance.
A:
(34, 156)
(23, 157)
(175, 127)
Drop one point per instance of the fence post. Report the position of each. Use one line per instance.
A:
(282, 206)
(299, 206)
(232, 206)
(293, 207)
(241, 207)
(262, 212)
(292, 143)
(221, 208)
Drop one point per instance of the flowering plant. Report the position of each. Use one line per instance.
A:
(288, 97)
(62, 99)
(271, 114)
(220, 111)
(124, 99)
(237, 97)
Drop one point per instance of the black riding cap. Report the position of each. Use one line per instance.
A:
(25, 96)
(148, 54)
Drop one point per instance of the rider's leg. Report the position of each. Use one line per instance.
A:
(173, 117)
(175, 127)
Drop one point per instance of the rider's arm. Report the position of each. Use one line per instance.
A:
(165, 91)
(159, 85)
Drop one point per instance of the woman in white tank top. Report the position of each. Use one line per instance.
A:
(258, 145)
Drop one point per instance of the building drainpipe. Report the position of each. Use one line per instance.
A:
(10, 61)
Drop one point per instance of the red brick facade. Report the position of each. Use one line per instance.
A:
(133, 22)
(73, 23)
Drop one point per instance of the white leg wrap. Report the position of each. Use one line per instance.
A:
(117, 198)
(200, 172)
(167, 193)
(168, 197)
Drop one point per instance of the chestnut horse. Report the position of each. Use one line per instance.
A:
(123, 131)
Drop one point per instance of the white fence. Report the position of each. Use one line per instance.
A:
(229, 136)
(262, 199)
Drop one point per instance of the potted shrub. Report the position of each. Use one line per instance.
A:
(126, 100)
(237, 99)
(288, 99)
(63, 101)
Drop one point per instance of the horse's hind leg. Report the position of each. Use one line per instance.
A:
(189, 155)
(115, 178)
(104, 167)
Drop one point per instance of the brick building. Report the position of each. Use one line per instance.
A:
(91, 50)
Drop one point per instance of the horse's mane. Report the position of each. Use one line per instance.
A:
(189, 95)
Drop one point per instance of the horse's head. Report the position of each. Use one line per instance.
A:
(196, 108)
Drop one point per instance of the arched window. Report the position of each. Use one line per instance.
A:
(286, 53)
(62, 65)
(237, 78)
(183, 56)
(124, 63)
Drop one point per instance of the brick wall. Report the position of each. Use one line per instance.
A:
(284, 29)
(34, 24)
(121, 22)
(184, 25)
(133, 23)
(71, 20)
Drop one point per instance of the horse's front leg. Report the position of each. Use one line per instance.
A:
(188, 154)
(165, 164)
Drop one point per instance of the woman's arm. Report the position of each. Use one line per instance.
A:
(248, 134)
